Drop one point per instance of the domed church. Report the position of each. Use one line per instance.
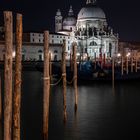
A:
(66, 25)
(95, 39)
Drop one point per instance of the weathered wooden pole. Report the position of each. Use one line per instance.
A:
(71, 62)
(50, 71)
(8, 25)
(64, 79)
(17, 83)
(136, 64)
(101, 60)
(131, 63)
(104, 62)
(95, 61)
(46, 94)
(122, 65)
(126, 64)
(0, 100)
(0, 110)
(113, 71)
(75, 76)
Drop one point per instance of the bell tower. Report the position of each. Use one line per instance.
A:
(58, 21)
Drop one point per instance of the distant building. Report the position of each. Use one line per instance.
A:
(131, 47)
(1, 32)
(92, 34)
(33, 44)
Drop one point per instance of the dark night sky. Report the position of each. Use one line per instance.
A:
(38, 15)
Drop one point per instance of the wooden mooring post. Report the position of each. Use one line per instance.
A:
(131, 63)
(122, 65)
(71, 62)
(95, 61)
(8, 26)
(126, 64)
(0, 100)
(75, 76)
(46, 94)
(17, 82)
(136, 63)
(50, 67)
(64, 79)
(113, 72)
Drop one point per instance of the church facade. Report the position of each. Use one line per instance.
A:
(94, 37)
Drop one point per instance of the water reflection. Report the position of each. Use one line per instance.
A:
(0, 131)
(100, 115)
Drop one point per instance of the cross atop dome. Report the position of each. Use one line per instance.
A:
(70, 11)
(91, 2)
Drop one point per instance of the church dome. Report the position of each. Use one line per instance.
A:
(69, 21)
(91, 11)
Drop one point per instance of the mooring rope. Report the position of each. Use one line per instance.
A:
(57, 82)
(70, 82)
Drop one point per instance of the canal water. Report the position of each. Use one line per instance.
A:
(103, 113)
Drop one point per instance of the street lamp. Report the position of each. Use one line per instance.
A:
(128, 54)
(118, 55)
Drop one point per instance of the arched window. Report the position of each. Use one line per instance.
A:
(93, 43)
(90, 32)
(23, 54)
(55, 51)
(55, 57)
(40, 55)
(40, 51)
(110, 49)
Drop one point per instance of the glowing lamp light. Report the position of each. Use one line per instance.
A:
(128, 54)
(78, 54)
(83, 26)
(118, 55)
(14, 54)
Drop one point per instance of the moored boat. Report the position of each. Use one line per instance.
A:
(86, 71)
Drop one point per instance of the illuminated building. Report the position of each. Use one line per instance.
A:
(94, 38)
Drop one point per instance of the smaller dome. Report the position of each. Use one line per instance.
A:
(69, 21)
